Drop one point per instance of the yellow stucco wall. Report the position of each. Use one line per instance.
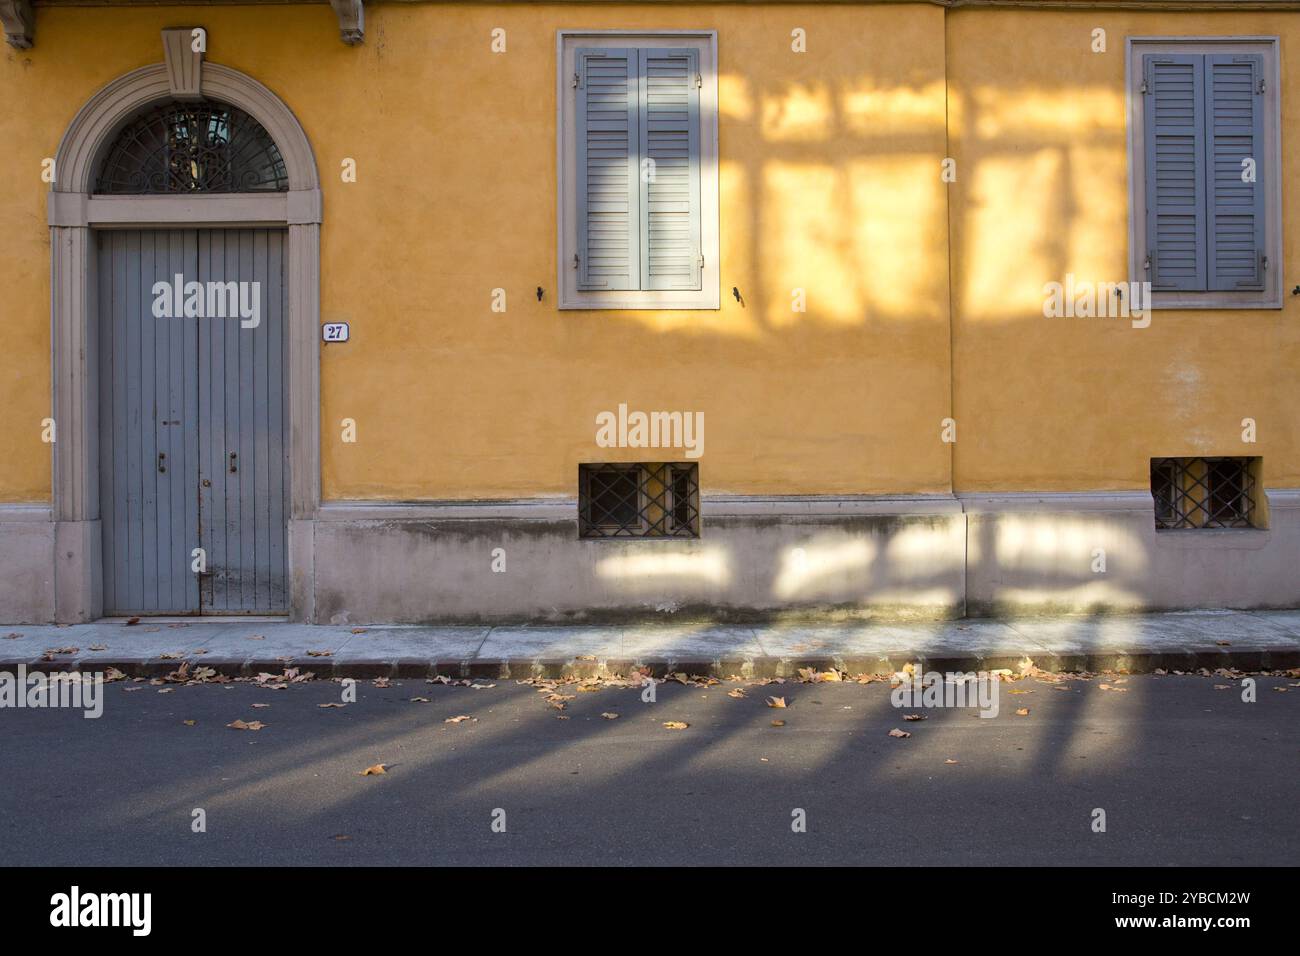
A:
(1038, 125)
(829, 182)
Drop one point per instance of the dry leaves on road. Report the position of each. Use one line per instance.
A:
(373, 771)
(1122, 690)
(914, 717)
(131, 622)
(462, 717)
(899, 733)
(737, 693)
(778, 723)
(776, 702)
(950, 760)
(241, 725)
(1022, 712)
(327, 706)
(610, 715)
(675, 725)
(320, 653)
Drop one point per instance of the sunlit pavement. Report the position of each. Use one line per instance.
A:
(1137, 642)
(1184, 769)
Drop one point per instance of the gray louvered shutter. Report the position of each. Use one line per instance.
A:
(609, 212)
(1175, 171)
(1234, 119)
(670, 188)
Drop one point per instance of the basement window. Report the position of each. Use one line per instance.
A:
(644, 500)
(1201, 493)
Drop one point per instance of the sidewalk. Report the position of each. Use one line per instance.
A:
(1173, 641)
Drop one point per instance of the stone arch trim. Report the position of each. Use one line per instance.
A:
(74, 213)
(105, 113)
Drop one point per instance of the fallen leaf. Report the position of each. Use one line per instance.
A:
(899, 733)
(914, 716)
(256, 637)
(1224, 643)
(259, 706)
(737, 693)
(331, 705)
(1122, 690)
(373, 771)
(189, 723)
(1022, 712)
(419, 700)
(320, 653)
(457, 720)
(99, 647)
(778, 723)
(675, 725)
(776, 702)
(240, 725)
(608, 715)
(131, 622)
(358, 630)
(950, 761)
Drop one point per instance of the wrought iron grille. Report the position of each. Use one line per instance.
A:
(1203, 492)
(201, 147)
(660, 500)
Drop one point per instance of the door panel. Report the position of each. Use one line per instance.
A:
(178, 396)
(148, 426)
(242, 412)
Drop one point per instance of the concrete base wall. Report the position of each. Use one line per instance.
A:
(758, 559)
(26, 564)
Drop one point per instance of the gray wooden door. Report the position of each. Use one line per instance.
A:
(193, 412)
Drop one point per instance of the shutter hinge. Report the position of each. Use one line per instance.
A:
(1259, 88)
(1263, 261)
(1146, 263)
(1142, 87)
(577, 81)
(575, 260)
(699, 80)
(699, 260)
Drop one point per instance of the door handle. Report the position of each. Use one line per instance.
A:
(233, 469)
(162, 462)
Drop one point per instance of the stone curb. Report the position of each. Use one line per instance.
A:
(1133, 662)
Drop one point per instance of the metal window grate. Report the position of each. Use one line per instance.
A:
(658, 500)
(201, 147)
(1203, 492)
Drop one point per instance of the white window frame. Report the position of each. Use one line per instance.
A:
(709, 294)
(1270, 170)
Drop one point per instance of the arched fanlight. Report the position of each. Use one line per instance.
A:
(199, 147)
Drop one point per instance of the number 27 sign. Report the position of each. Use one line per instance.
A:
(334, 332)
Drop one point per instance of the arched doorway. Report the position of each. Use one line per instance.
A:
(185, 304)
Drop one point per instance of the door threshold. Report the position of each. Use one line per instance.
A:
(198, 619)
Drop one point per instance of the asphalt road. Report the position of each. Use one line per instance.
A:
(1185, 773)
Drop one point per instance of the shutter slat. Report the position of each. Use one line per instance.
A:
(1234, 122)
(609, 209)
